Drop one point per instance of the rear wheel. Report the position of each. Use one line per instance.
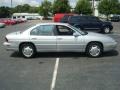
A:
(94, 49)
(28, 50)
(107, 30)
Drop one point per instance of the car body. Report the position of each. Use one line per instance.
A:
(59, 16)
(8, 21)
(2, 25)
(19, 20)
(91, 23)
(65, 18)
(115, 18)
(58, 37)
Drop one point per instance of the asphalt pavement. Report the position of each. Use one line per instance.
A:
(58, 71)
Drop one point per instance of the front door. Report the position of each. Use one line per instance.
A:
(66, 41)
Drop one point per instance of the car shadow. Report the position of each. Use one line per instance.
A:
(110, 53)
(65, 54)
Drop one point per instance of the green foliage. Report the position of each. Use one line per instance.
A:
(17, 9)
(108, 7)
(45, 8)
(5, 12)
(61, 6)
(83, 7)
(26, 8)
(34, 10)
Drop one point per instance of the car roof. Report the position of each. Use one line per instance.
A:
(53, 24)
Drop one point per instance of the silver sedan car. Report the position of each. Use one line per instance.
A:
(58, 37)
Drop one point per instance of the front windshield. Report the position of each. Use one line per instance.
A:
(78, 30)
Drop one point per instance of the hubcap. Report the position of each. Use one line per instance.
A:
(107, 30)
(94, 50)
(27, 51)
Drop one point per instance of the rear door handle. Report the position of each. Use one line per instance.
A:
(59, 38)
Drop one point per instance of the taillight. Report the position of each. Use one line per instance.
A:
(6, 39)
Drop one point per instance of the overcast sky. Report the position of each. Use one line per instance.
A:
(31, 2)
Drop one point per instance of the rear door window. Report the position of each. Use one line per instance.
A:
(43, 30)
(77, 19)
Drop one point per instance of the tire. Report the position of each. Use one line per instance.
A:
(107, 30)
(27, 50)
(94, 49)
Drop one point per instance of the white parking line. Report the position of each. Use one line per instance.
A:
(54, 74)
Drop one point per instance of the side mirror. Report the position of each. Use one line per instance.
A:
(76, 34)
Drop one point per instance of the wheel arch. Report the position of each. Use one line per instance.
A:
(26, 43)
(94, 42)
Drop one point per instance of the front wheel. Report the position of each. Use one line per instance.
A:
(94, 49)
(27, 50)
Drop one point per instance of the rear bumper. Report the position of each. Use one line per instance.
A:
(10, 47)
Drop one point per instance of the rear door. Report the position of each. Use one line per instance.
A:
(81, 22)
(44, 38)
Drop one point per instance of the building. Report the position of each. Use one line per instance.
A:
(95, 7)
(26, 16)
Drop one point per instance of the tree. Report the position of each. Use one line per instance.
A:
(4, 12)
(83, 7)
(108, 7)
(26, 8)
(34, 10)
(116, 7)
(45, 8)
(17, 9)
(22, 8)
(61, 6)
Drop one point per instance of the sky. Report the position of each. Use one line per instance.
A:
(31, 2)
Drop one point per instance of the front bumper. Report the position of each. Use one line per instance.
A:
(110, 46)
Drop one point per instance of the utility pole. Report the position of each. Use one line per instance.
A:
(11, 3)
(11, 8)
(93, 6)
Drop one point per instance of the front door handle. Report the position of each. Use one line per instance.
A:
(34, 38)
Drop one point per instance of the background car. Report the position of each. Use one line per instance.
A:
(115, 18)
(2, 25)
(59, 16)
(8, 21)
(65, 18)
(58, 37)
(91, 23)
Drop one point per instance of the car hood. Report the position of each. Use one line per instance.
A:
(96, 34)
(107, 23)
